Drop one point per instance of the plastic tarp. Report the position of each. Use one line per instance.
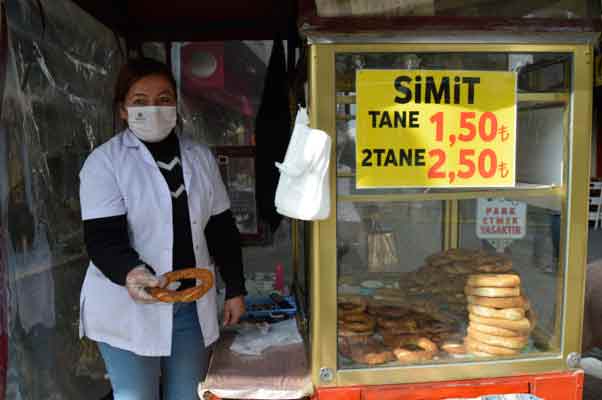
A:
(57, 106)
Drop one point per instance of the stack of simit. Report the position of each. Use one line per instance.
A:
(498, 315)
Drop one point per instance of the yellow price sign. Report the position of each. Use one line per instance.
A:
(426, 128)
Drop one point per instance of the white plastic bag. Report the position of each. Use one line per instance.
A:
(303, 190)
(254, 339)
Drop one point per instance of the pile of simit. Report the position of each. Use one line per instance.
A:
(499, 315)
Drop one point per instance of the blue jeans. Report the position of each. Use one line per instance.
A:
(135, 377)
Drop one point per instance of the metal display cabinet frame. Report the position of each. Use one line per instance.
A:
(573, 194)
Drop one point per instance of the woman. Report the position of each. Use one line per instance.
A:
(152, 201)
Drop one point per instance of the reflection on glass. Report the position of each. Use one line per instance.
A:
(545, 72)
(402, 300)
(50, 123)
(238, 173)
(379, 248)
(540, 144)
(541, 72)
(221, 86)
(456, 280)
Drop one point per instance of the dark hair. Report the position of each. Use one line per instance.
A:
(136, 69)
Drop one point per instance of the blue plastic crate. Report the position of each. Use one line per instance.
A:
(263, 306)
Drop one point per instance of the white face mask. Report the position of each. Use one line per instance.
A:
(150, 123)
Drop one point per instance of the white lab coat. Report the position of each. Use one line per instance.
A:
(121, 177)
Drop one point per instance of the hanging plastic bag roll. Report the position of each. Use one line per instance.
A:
(303, 190)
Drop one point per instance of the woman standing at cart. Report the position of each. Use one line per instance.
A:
(153, 201)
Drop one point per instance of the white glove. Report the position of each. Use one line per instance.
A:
(137, 280)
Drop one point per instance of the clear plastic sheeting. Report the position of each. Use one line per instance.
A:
(221, 85)
(56, 109)
(562, 9)
(220, 91)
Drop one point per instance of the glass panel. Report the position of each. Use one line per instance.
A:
(541, 72)
(540, 145)
(57, 106)
(402, 300)
(221, 84)
(540, 127)
(537, 72)
(380, 248)
(237, 168)
(536, 258)
(566, 9)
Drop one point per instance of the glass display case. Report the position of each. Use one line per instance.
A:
(418, 284)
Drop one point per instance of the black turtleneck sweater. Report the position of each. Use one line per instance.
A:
(108, 244)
